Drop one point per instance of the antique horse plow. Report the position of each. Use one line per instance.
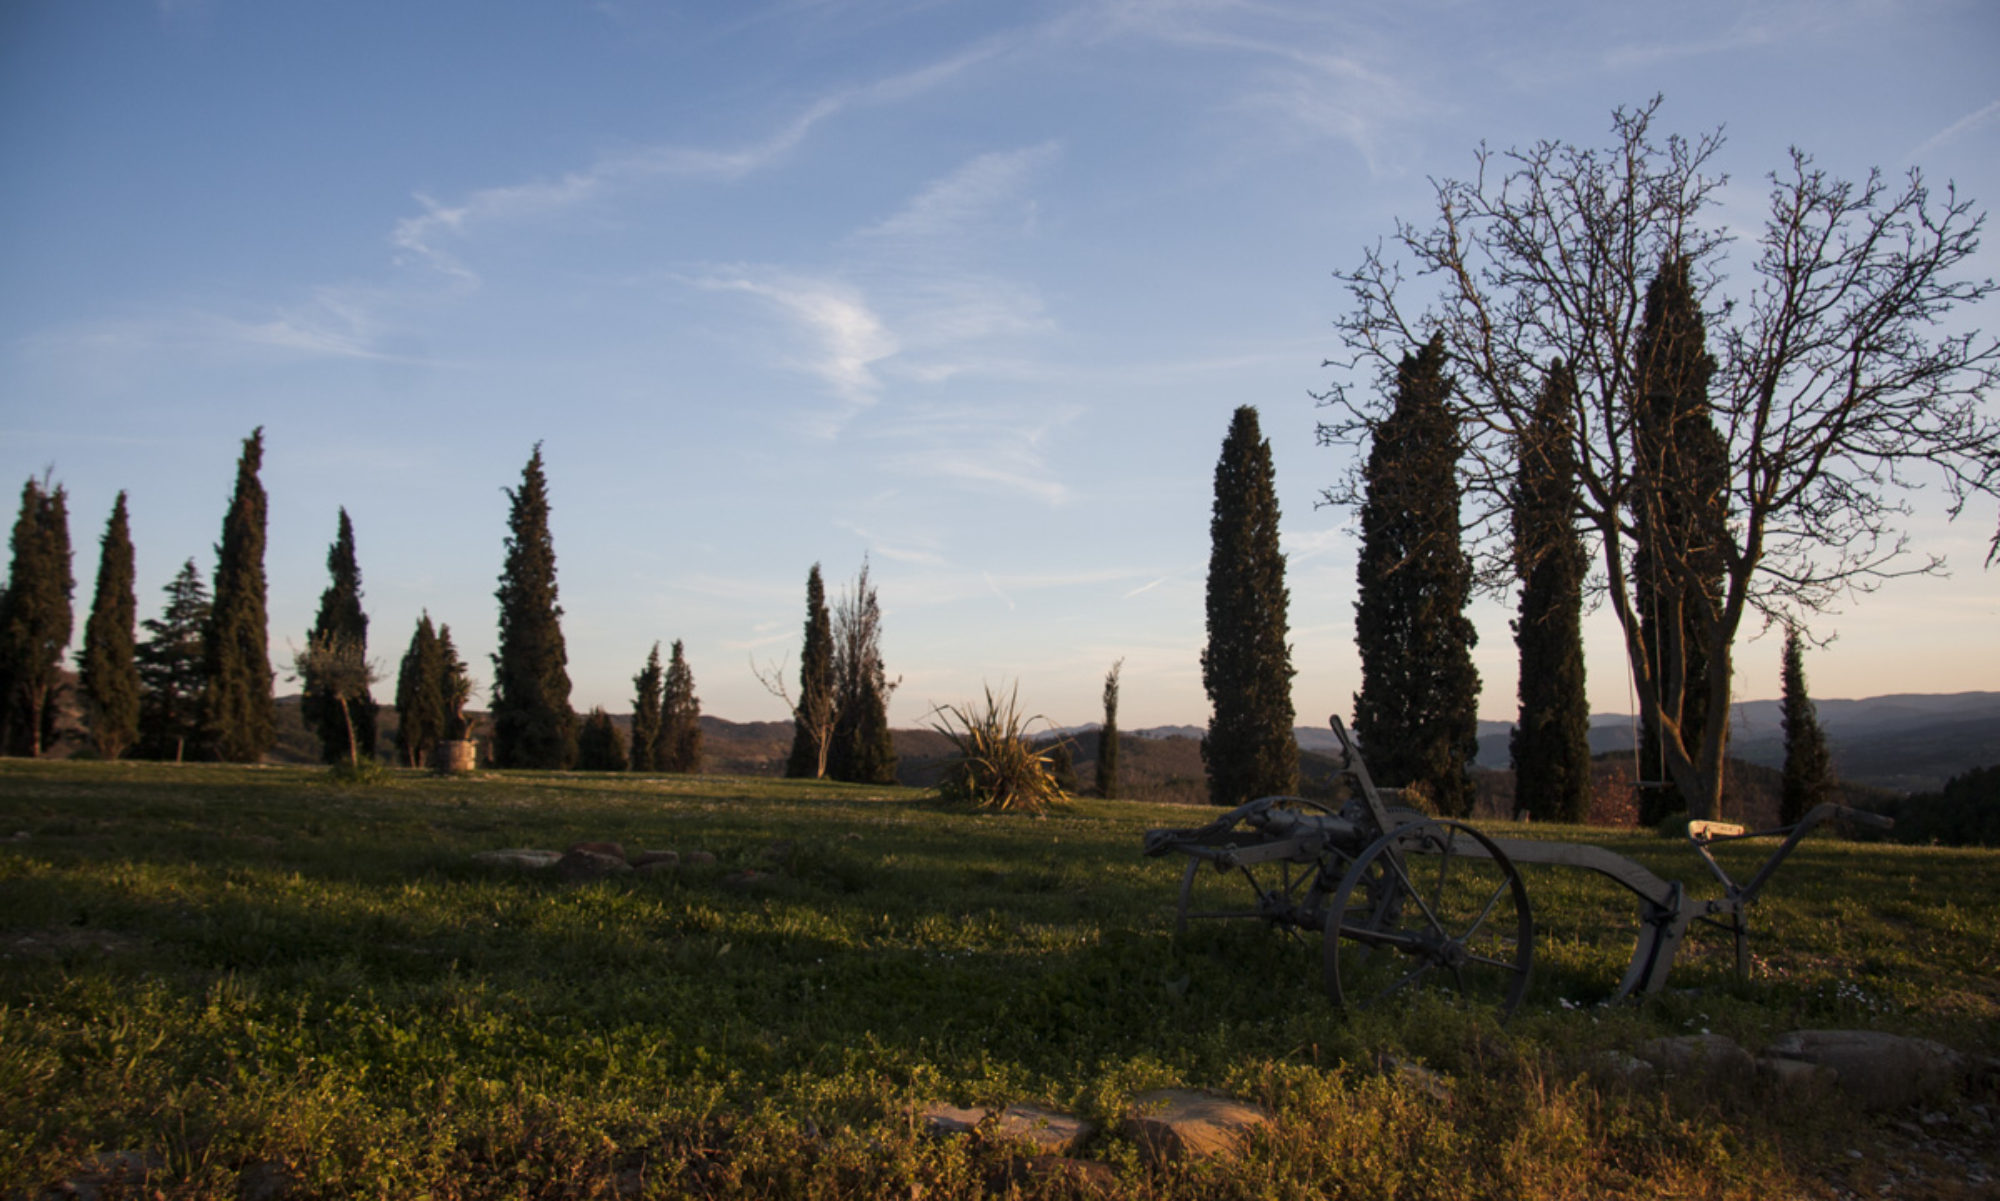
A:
(1403, 900)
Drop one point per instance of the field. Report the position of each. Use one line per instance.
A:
(275, 981)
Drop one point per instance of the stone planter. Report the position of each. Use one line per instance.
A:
(453, 758)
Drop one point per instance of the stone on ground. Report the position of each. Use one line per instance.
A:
(1879, 1071)
(518, 857)
(1171, 1124)
(1046, 1130)
(1712, 1054)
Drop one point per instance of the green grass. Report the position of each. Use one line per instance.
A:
(232, 966)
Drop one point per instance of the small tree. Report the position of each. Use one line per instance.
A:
(35, 618)
(172, 664)
(863, 750)
(1551, 743)
(420, 701)
(1107, 736)
(237, 717)
(680, 718)
(338, 669)
(813, 718)
(1808, 778)
(342, 622)
(1844, 376)
(647, 704)
(1416, 713)
(107, 668)
(456, 686)
(599, 745)
(533, 725)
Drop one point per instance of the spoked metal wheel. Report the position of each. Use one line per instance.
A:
(1430, 906)
(1288, 893)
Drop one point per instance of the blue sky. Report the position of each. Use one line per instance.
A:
(970, 289)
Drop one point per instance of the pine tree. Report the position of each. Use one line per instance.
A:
(1551, 743)
(1808, 778)
(237, 718)
(533, 725)
(648, 696)
(107, 671)
(1107, 736)
(35, 618)
(172, 664)
(813, 719)
(680, 718)
(599, 745)
(863, 750)
(420, 704)
(1416, 713)
(1251, 749)
(1681, 471)
(341, 621)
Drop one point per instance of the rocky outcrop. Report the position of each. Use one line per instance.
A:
(1170, 1124)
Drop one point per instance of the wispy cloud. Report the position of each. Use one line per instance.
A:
(847, 336)
(1956, 130)
(430, 237)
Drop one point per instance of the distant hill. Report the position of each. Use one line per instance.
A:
(1899, 743)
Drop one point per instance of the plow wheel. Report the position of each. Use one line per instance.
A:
(1290, 895)
(1431, 906)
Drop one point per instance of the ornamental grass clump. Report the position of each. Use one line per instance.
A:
(997, 767)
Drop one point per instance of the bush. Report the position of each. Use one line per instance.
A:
(1965, 813)
(996, 765)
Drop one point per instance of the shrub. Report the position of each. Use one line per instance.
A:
(997, 767)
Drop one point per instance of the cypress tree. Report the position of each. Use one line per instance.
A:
(863, 750)
(1680, 475)
(813, 719)
(599, 745)
(106, 668)
(237, 708)
(1107, 736)
(1551, 743)
(35, 618)
(647, 698)
(420, 703)
(1416, 713)
(172, 664)
(341, 620)
(533, 725)
(680, 718)
(1251, 749)
(1808, 777)
(455, 686)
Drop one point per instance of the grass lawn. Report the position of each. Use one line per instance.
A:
(232, 967)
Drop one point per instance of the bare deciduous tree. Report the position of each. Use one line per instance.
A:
(1847, 376)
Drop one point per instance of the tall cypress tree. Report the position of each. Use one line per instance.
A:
(648, 691)
(1107, 736)
(1808, 777)
(237, 714)
(172, 664)
(680, 718)
(1681, 472)
(35, 618)
(813, 719)
(1551, 743)
(1251, 749)
(341, 619)
(1417, 711)
(106, 667)
(863, 751)
(420, 703)
(533, 725)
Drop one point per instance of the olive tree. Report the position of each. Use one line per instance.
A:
(1847, 376)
